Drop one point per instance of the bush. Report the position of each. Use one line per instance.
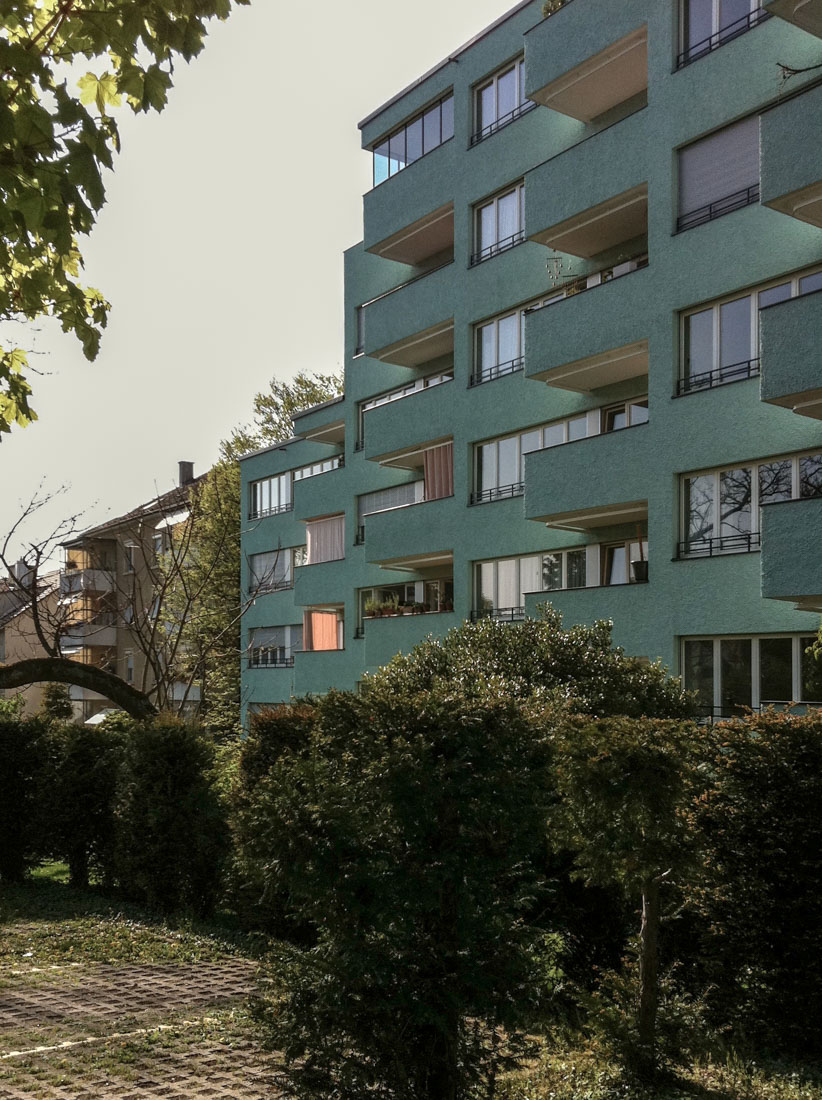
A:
(171, 834)
(24, 797)
(85, 769)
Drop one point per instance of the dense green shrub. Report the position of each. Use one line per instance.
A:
(758, 913)
(24, 795)
(86, 764)
(171, 834)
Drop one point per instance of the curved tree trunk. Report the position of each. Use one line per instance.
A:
(61, 670)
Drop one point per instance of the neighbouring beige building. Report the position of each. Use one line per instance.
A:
(18, 636)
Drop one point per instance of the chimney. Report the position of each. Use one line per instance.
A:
(22, 572)
(186, 473)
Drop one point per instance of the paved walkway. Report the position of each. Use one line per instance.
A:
(130, 1033)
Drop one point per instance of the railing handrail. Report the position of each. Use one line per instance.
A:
(720, 376)
(510, 116)
(503, 614)
(500, 492)
(494, 249)
(264, 513)
(712, 547)
(498, 370)
(279, 662)
(408, 282)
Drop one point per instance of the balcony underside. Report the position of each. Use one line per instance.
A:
(333, 432)
(596, 371)
(601, 82)
(806, 14)
(805, 204)
(606, 515)
(619, 219)
(807, 403)
(426, 237)
(420, 348)
(418, 563)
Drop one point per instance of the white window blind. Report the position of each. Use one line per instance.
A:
(383, 500)
(719, 166)
(325, 539)
(270, 570)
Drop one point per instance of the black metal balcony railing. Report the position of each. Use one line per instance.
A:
(727, 544)
(494, 249)
(499, 123)
(270, 662)
(499, 370)
(262, 587)
(501, 492)
(705, 380)
(717, 209)
(359, 445)
(264, 513)
(359, 633)
(501, 614)
(721, 37)
(359, 537)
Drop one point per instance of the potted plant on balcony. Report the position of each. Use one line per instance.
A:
(373, 608)
(418, 609)
(389, 606)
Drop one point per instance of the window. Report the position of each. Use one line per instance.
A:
(414, 139)
(498, 347)
(731, 674)
(411, 598)
(499, 101)
(402, 391)
(323, 629)
(720, 341)
(325, 539)
(500, 465)
(315, 468)
(627, 414)
(385, 500)
(500, 586)
(438, 471)
(269, 496)
(129, 663)
(719, 173)
(721, 507)
(625, 563)
(129, 557)
(499, 224)
(274, 646)
(271, 571)
(708, 24)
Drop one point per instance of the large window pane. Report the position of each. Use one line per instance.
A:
(507, 583)
(381, 163)
(699, 343)
(775, 481)
(775, 669)
(485, 585)
(508, 339)
(730, 12)
(508, 459)
(486, 227)
(735, 502)
(699, 507)
(811, 672)
(810, 476)
(530, 577)
(486, 113)
(698, 21)
(735, 332)
(431, 136)
(507, 93)
(413, 140)
(487, 346)
(577, 428)
(616, 565)
(575, 563)
(396, 152)
(529, 442)
(698, 672)
(774, 294)
(551, 572)
(735, 660)
(554, 434)
(811, 283)
(487, 473)
(508, 216)
(447, 118)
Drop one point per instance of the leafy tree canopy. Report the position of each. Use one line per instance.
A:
(275, 408)
(58, 135)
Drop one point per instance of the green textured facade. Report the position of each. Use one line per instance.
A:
(616, 387)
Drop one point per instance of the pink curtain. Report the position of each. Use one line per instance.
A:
(438, 464)
(320, 630)
(325, 539)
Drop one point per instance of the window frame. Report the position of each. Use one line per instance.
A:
(523, 106)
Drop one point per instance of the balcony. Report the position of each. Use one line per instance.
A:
(410, 217)
(790, 559)
(619, 220)
(806, 14)
(91, 581)
(413, 324)
(631, 606)
(791, 158)
(397, 426)
(321, 584)
(318, 495)
(586, 59)
(791, 354)
(97, 630)
(582, 342)
(419, 536)
(399, 634)
(324, 423)
(601, 481)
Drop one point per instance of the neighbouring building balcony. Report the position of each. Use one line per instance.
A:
(790, 336)
(586, 59)
(806, 14)
(791, 157)
(601, 481)
(91, 581)
(790, 559)
(98, 630)
(593, 340)
(413, 323)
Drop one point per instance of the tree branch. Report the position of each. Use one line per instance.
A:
(63, 671)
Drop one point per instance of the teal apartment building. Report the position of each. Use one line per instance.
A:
(583, 360)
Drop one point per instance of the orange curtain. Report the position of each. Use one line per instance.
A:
(320, 630)
(438, 466)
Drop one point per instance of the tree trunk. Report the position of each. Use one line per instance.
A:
(443, 1068)
(60, 670)
(78, 869)
(648, 973)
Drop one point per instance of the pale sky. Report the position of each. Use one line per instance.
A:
(221, 245)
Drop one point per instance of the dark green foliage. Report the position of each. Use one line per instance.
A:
(758, 902)
(171, 834)
(56, 705)
(405, 833)
(24, 769)
(86, 762)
